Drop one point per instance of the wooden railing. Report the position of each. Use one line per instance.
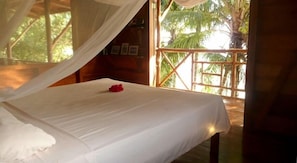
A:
(219, 72)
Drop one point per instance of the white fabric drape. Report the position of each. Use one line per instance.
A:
(12, 13)
(189, 3)
(115, 20)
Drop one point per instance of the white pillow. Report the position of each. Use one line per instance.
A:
(18, 140)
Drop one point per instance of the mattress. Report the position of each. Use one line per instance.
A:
(140, 124)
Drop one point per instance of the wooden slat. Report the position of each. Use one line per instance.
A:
(162, 52)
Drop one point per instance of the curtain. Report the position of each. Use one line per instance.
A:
(102, 28)
(12, 13)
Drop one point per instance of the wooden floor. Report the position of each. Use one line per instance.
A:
(230, 144)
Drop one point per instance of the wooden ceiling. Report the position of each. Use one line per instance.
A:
(56, 6)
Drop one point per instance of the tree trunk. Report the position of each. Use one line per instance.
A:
(236, 42)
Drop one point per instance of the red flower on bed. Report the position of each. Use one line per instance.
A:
(116, 88)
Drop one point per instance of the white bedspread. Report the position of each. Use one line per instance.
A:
(139, 124)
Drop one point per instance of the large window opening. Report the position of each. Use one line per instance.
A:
(29, 42)
(43, 39)
(203, 48)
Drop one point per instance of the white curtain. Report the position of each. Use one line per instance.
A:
(12, 13)
(111, 23)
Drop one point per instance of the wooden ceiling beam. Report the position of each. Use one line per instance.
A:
(56, 6)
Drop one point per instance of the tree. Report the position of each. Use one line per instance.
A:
(29, 41)
(188, 28)
(235, 15)
(203, 19)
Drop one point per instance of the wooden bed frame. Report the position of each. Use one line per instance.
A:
(214, 148)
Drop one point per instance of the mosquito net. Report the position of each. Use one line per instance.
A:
(89, 25)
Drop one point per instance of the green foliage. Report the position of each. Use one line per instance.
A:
(188, 28)
(192, 25)
(206, 18)
(191, 40)
(63, 49)
(33, 45)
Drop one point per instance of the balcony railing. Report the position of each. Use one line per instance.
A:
(220, 72)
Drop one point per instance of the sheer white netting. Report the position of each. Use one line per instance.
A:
(12, 13)
(104, 20)
(94, 24)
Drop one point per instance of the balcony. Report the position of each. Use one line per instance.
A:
(216, 71)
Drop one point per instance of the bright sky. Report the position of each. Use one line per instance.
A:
(217, 40)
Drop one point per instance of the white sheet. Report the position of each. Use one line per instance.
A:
(139, 124)
(19, 140)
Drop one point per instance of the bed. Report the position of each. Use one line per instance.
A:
(139, 124)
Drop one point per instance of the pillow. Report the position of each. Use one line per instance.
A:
(18, 140)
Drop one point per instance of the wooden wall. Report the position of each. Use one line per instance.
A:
(270, 127)
(127, 67)
(18, 73)
(132, 68)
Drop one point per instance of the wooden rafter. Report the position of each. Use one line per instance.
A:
(56, 6)
(23, 33)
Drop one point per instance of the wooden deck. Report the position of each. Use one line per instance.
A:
(235, 109)
(230, 144)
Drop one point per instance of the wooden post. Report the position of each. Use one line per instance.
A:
(48, 30)
(158, 44)
(8, 51)
(233, 74)
(214, 148)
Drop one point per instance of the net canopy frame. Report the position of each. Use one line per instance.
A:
(102, 21)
